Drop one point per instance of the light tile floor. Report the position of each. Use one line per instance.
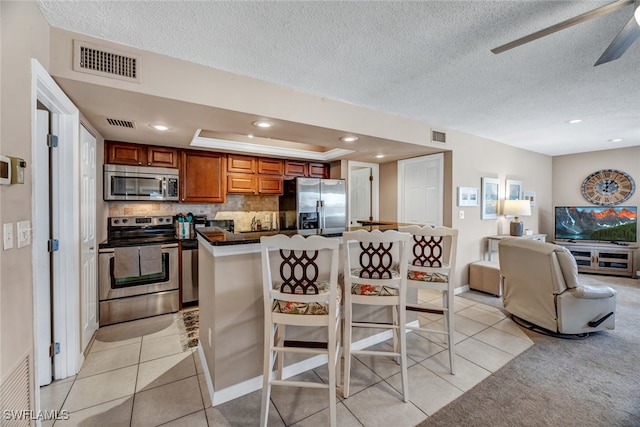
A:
(137, 374)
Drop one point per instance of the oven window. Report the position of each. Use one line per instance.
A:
(148, 279)
(136, 186)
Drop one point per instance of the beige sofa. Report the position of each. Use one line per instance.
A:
(540, 285)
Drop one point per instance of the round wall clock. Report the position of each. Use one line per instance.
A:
(608, 187)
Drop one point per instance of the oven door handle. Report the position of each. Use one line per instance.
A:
(165, 248)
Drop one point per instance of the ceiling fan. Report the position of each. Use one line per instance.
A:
(625, 38)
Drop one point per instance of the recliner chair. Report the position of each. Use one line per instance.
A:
(540, 285)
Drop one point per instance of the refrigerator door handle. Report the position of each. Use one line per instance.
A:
(320, 210)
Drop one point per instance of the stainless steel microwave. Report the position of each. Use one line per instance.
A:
(139, 183)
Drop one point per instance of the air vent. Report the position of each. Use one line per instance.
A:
(15, 392)
(121, 123)
(437, 136)
(93, 59)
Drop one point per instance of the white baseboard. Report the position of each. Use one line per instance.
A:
(238, 390)
(461, 289)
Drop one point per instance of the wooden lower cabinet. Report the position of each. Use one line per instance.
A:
(202, 177)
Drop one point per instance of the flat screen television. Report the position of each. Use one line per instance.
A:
(596, 223)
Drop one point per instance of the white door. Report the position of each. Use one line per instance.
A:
(360, 194)
(420, 192)
(89, 286)
(363, 191)
(41, 235)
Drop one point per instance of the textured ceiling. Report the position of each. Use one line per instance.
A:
(426, 60)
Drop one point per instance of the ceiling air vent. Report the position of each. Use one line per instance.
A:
(100, 61)
(437, 136)
(121, 123)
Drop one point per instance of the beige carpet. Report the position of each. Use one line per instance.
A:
(559, 382)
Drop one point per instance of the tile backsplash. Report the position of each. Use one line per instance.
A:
(242, 209)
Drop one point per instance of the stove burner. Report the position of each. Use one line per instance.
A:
(137, 231)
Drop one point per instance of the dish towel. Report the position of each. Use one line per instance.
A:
(150, 259)
(126, 262)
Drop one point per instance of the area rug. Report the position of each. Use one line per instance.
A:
(557, 382)
(190, 328)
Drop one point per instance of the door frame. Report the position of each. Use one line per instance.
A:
(375, 190)
(65, 123)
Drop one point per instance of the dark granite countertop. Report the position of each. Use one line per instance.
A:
(218, 237)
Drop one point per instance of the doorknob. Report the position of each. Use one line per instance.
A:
(91, 248)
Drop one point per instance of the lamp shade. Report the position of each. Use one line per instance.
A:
(517, 208)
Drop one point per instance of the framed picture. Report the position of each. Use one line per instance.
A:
(490, 196)
(468, 196)
(529, 195)
(514, 189)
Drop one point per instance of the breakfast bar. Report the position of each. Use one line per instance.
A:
(231, 310)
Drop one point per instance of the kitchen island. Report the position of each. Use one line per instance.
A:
(231, 311)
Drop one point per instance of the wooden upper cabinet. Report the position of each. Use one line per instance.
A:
(202, 177)
(162, 157)
(241, 183)
(296, 168)
(241, 164)
(318, 170)
(270, 166)
(270, 185)
(306, 169)
(125, 153)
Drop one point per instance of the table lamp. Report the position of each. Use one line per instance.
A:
(517, 208)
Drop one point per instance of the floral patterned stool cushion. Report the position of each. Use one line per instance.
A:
(291, 307)
(373, 290)
(423, 276)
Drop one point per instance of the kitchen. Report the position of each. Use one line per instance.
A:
(141, 184)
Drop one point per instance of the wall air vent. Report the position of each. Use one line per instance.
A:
(121, 123)
(437, 136)
(101, 61)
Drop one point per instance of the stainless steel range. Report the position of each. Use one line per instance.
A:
(138, 269)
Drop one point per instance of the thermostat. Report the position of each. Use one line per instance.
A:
(17, 170)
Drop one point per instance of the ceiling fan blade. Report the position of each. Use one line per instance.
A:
(621, 43)
(564, 24)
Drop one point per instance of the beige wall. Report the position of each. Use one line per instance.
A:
(25, 34)
(470, 159)
(569, 171)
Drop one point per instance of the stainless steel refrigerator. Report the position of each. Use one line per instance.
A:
(316, 203)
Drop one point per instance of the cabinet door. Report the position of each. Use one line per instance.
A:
(318, 170)
(241, 164)
(123, 153)
(202, 177)
(295, 168)
(162, 157)
(239, 183)
(269, 184)
(270, 167)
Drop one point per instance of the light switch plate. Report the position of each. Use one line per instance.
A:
(7, 233)
(460, 214)
(24, 233)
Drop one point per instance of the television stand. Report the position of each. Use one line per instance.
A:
(602, 258)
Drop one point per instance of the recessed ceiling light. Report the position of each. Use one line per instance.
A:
(379, 156)
(574, 121)
(160, 127)
(264, 124)
(616, 140)
(349, 138)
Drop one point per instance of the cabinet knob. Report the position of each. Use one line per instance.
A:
(139, 163)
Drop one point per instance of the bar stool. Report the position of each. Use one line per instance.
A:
(375, 274)
(431, 266)
(300, 287)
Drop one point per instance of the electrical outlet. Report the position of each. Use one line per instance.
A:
(267, 218)
(24, 233)
(7, 232)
